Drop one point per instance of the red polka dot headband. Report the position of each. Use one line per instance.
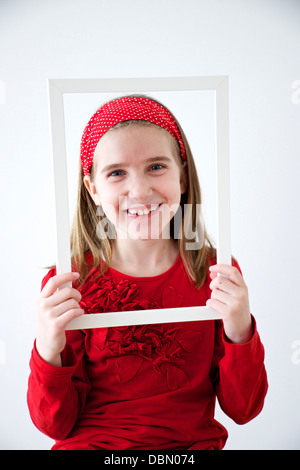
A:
(125, 109)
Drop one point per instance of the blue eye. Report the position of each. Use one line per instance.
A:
(157, 166)
(116, 173)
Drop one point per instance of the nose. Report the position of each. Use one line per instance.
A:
(139, 189)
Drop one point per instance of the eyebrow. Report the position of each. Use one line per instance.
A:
(122, 165)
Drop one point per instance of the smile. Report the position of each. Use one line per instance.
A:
(145, 211)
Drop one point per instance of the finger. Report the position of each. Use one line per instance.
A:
(64, 294)
(57, 281)
(221, 296)
(224, 284)
(233, 273)
(213, 275)
(63, 307)
(218, 306)
(65, 318)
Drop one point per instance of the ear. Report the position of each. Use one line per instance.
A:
(183, 178)
(91, 187)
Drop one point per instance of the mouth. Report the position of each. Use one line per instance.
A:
(143, 211)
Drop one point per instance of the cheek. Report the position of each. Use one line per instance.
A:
(170, 186)
(114, 206)
(110, 206)
(168, 211)
(110, 213)
(174, 191)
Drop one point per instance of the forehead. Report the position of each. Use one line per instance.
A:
(135, 141)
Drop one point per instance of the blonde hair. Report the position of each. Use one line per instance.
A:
(87, 234)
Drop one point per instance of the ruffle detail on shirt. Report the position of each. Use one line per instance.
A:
(131, 346)
(103, 295)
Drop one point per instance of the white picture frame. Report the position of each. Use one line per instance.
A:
(56, 90)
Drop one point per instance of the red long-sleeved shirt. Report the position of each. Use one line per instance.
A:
(150, 386)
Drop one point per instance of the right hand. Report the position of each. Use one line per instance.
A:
(56, 308)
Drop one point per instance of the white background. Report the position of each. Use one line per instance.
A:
(257, 44)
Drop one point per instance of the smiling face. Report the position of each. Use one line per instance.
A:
(138, 180)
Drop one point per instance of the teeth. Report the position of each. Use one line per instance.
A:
(141, 211)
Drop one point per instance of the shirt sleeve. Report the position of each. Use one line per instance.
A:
(57, 395)
(239, 376)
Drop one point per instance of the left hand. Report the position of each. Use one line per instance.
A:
(229, 297)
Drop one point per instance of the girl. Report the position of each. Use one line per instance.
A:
(150, 386)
